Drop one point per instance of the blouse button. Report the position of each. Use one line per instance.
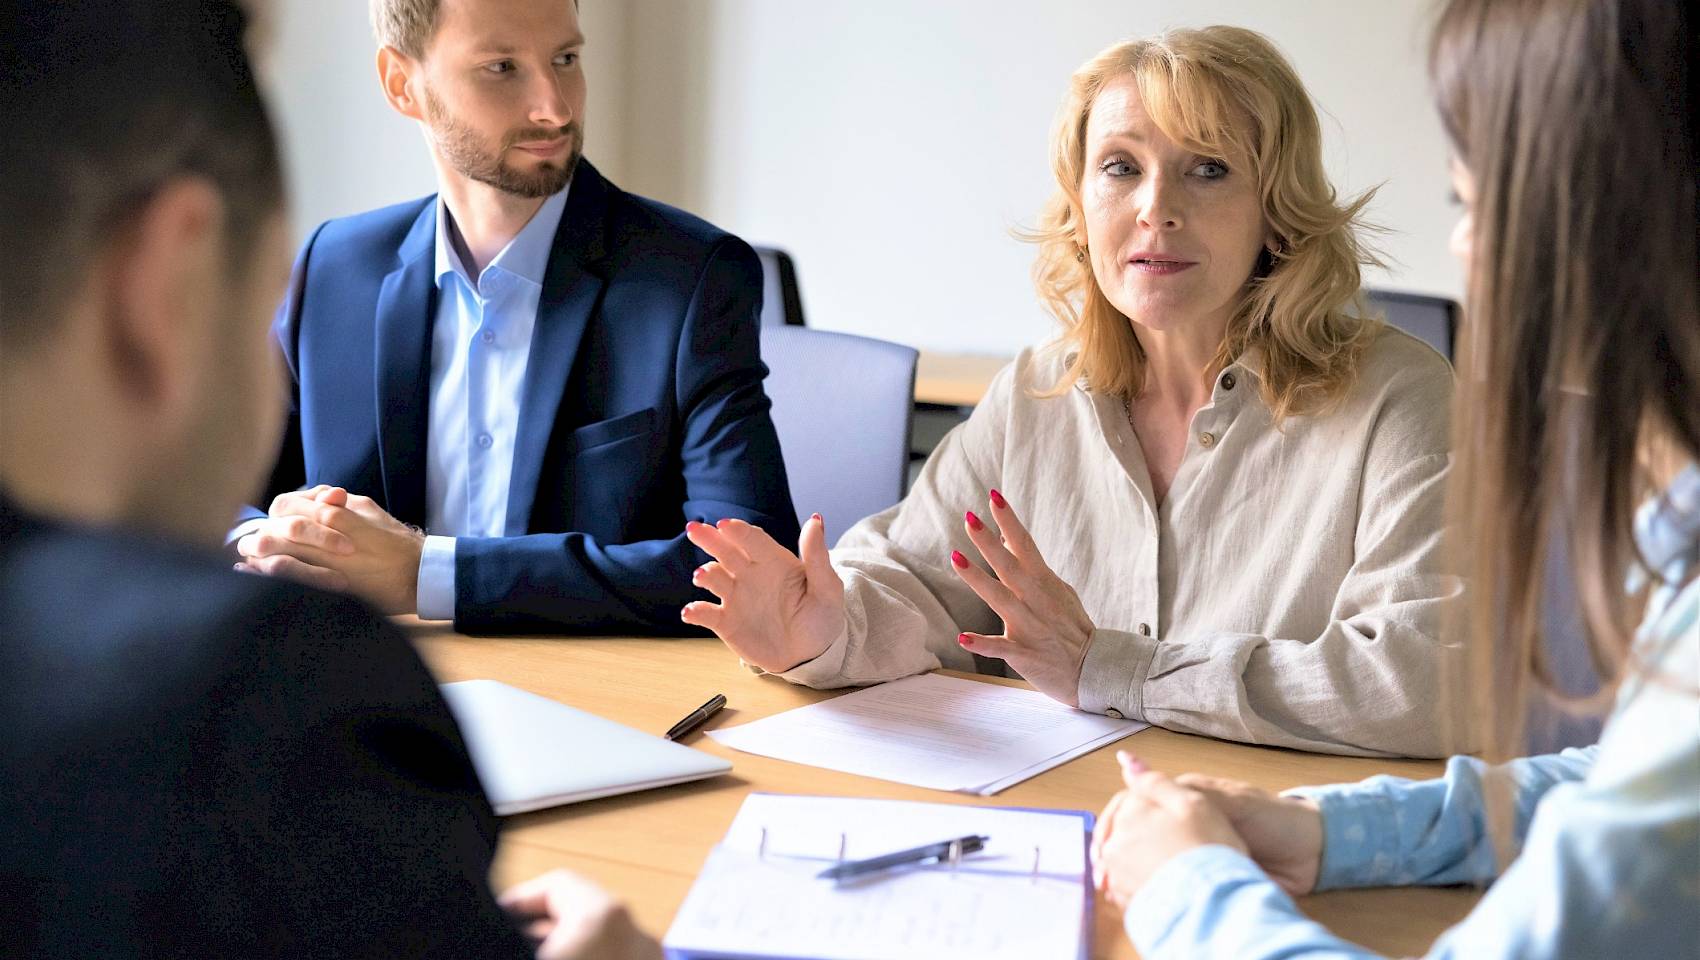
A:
(1228, 381)
(1207, 439)
(1113, 714)
(1145, 629)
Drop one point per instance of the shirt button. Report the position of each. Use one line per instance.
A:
(1228, 381)
(1207, 439)
(1113, 714)
(488, 336)
(1145, 629)
(485, 440)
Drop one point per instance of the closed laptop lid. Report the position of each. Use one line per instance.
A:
(532, 752)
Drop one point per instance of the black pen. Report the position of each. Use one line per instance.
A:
(697, 717)
(933, 851)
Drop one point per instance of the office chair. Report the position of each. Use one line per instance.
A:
(781, 299)
(841, 406)
(1433, 320)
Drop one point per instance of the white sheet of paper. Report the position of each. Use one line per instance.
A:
(934, 731)
(762, 900)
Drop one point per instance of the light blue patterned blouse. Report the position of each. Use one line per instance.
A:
(1610, 858)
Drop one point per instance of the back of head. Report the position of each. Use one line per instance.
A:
(1575, 121)
(141, 198)
(102, 103)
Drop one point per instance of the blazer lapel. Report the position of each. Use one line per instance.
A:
(403, 359)
(572, 286)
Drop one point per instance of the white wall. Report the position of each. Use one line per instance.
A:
(890, 145)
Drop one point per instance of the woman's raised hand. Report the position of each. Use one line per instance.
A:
(776, 610)
(1046, 630)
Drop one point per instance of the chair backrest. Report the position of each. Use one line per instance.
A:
(1434, 320)
(781, 299)
(841, 405)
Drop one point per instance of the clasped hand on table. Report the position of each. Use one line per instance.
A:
(326, 537)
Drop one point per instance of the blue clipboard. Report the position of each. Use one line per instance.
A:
(1089, 897)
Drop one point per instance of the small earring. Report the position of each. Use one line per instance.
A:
(1079, 254)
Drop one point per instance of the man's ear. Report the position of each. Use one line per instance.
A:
(396, 72)
(164, 289)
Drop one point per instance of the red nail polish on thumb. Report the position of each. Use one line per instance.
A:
(962, 638)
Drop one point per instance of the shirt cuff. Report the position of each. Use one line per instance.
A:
(1187, 899)
(1360, 835)
(242, 530)
(825, 668)
(1112, 677)
(436, 589)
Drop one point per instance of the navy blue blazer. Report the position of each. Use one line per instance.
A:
(642, 406)
(201, 763)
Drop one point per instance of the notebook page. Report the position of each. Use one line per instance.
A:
(764, 899)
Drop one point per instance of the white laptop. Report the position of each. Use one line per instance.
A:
(532, 752)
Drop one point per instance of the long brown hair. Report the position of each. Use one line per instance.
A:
(1225, 91)
(1575, 119)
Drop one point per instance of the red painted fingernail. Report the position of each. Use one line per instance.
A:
(957, 558)
(962, 638)
(973, 521)
(998, 501)
(817, 519)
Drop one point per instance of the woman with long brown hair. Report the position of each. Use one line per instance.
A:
(1573, 128)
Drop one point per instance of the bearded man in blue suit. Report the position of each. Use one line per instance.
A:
(548, 375)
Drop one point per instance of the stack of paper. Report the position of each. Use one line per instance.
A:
(1024, 896)
(932, 731)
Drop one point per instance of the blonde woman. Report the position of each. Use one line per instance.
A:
(1214, 504)
(1592, 852)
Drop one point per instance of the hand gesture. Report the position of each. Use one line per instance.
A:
(776, 610)
(1046, 630)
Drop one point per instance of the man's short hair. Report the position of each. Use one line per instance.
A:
(406, 25)
(101, 105)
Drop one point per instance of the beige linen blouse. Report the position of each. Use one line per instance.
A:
(1289, 590)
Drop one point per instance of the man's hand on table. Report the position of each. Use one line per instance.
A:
(327, 538)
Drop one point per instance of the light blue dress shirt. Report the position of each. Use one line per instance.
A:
(480, 344)
(1610, 835)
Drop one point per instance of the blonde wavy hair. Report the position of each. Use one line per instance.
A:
(1227, 92)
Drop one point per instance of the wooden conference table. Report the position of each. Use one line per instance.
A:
(647, 847)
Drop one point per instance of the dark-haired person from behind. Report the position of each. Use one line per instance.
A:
(195, 762)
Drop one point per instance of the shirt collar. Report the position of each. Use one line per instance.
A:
(1667, 528)
(526, 256)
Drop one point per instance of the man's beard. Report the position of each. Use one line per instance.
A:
(465, 152)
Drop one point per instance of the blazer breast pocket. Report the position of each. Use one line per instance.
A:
(612, 430)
